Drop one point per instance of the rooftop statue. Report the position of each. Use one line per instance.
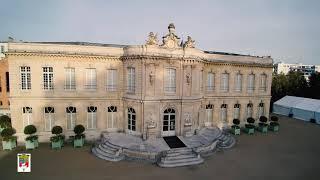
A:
(152, 39)
(171, 40)
(189, 43)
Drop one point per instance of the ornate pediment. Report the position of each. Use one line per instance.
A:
(189, 43)
(152, 39)
(171, 40)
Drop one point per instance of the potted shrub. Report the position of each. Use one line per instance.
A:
(78, 140)
(5, 122)
(235, 128)
(58, 138)
(263, 126)
(274, 125)
(8, 140)
(249, 127)
(31, 140)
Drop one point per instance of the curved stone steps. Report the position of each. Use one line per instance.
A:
(108, 151)
(226, 141)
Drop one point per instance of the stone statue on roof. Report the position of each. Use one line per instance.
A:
(152, 39)
(189, 43)
(171, 40)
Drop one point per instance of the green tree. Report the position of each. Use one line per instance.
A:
(297, 84)
(314, 85)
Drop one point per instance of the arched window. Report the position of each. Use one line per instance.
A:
(169, 123)
(209, 115)
(249, 110)
(71, 117)
(27, 116)
(92, 117)
(261, 109)
(237, 111)
(48, 118)
(131, 119)
(224, 113)
(112, 117)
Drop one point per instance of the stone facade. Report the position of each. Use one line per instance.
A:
(159, 90)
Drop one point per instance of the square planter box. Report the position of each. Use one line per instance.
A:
(30, 144)
(78, 142)
(56, 145)
(248, 130)
(235, 131)
(274, 128)
(263, 129)
(9, 145)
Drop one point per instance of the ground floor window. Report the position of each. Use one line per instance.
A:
(224, 113)
(261, 110)
(112, 116)
(92, 117)
(209, 114)
(27, 116)
(48, 118)
(131, 119)
(249, 110)
(169, 122)
(71, 117)
(236, 111)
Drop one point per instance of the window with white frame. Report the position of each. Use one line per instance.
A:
(210, 82)
(25, 73)
(261, 110)
(263, 82)
(48, 118)
(71, 117)
(251, 78)
(91, 79)
(170, 80)
(223, 114)
(131, 81)
(112, 117)
(249, 110)
(70, 79)
(209, 115)
(131, 119)
(47, 78)
(27, 116)
(237, 111)
(111, 80)
(238, 82)
(224, 85)
(92, 117)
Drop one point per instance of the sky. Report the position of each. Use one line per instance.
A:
(287, 30)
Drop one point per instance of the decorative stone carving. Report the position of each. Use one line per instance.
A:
(151, 124)
(151, 77)
(188, 77)
(187, 119)
(189, 43)
(152, 39)
(171, 40)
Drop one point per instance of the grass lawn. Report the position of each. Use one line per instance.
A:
(291, 153)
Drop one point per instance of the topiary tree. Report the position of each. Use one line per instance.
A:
(236, 123)
(263, 121)
(250, 121)
(7, 134)
(30, 130)
(78, 130)
(57, 131)
(274, 121)
(5, 121)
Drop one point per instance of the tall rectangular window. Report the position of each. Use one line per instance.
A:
(47, 78)
(48, 118)
(71, 117)
(224, 85)
(91, 78)
(70, 79)
(238, 82)
(251, 83)
(92, 117)
(210, 82)
(200, 80)
(263, 82)
(7, 82)
(111, 80)
(26, 116)
(170, 80)
(131, 80)
(25, 73)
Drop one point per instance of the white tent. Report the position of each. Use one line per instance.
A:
(301, 108)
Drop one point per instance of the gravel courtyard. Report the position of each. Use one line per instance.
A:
(292, 153)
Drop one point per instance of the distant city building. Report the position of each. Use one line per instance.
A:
(307, 70)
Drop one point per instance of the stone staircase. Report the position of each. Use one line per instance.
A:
(225, 140)
(108, 151)
(179, 157)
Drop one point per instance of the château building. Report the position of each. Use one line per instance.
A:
(152, 90)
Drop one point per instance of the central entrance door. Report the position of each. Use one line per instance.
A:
(169, 122)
